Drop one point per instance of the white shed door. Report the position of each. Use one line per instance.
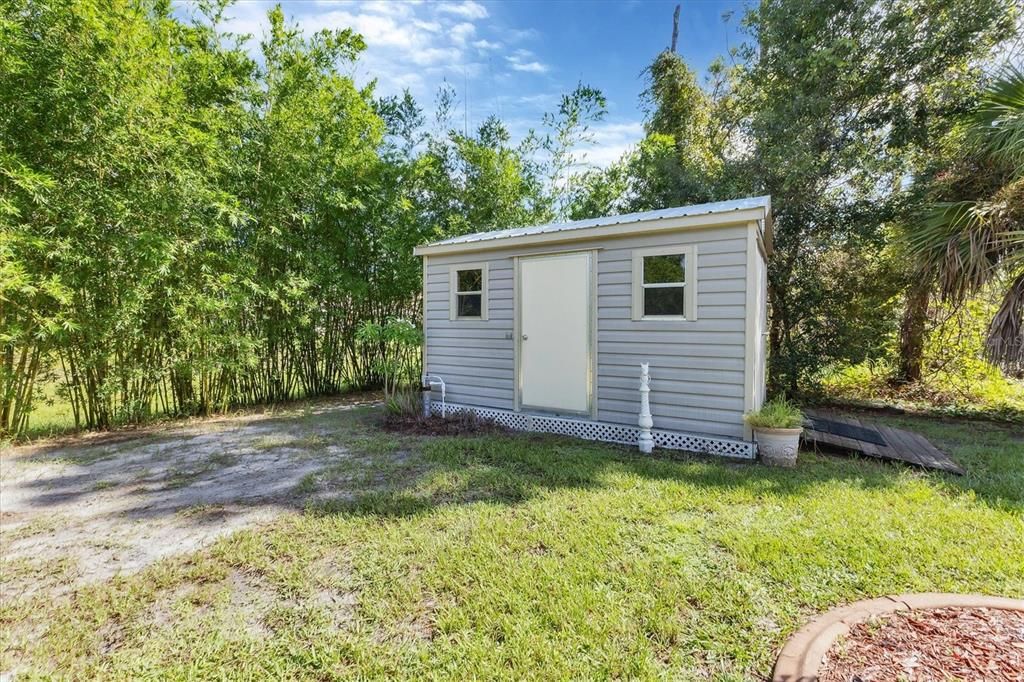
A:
(554, 346)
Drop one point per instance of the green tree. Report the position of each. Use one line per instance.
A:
(184, 228)
(112, 156)
(684, 155)
(470, 183)
(838, 106)
(681, 159)
(973, 236)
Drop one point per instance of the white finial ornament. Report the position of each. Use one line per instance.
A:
(646, 421)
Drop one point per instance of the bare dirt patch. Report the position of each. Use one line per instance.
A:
(334, 594)
(100, 507)
(936, 644)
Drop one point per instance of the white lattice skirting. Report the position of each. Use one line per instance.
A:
(603, 431)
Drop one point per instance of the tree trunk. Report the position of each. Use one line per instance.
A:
(675, 29)
(912, 331)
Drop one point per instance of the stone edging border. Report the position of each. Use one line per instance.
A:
(801, 657)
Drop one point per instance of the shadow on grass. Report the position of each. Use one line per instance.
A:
(256, 461)
(498, 469)
(514, 468)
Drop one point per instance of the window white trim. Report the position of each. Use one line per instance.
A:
(453, 290)
(689, 285)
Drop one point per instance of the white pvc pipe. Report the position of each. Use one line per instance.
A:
(434, 380)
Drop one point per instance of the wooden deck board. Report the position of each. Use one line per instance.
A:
(902, 446)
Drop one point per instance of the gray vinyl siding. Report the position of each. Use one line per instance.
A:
(697, 366)
(475, 358)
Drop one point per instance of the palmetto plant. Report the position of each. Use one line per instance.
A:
(978, 240)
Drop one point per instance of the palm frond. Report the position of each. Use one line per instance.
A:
(956, 242)
(998, 121)
(1004, 343)
(1014, 242)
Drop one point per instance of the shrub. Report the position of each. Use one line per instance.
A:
(776, 414)
(405, 403)
(396, 345)
(957, 378)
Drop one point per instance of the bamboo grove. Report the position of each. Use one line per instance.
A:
(186, 227)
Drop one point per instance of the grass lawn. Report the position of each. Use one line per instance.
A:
(525, 557)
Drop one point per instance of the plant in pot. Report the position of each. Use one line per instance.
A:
(777, 428)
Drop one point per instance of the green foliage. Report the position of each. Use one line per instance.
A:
(974, 233)
(680, 161)
(777, 413)
(405, 402)
(957, 378)
(835, 136)
(469, 183)
(394, 346)
(184, 228)
(829, 112)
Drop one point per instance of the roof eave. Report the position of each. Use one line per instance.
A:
(692, 222)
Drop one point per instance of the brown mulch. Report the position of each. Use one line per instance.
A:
(456, 425)
(935, 644)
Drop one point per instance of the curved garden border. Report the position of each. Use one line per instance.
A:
(801, 657)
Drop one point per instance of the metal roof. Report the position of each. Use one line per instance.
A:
(677, 212)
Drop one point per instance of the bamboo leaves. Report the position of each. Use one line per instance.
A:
(184, 228)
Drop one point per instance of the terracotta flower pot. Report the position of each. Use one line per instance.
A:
(778, 447)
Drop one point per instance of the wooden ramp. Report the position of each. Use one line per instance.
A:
(875, 440)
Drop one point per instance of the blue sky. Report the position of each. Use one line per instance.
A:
(516, 58)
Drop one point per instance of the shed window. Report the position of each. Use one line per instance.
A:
(661, 284)
(469, 293)
(664, 283)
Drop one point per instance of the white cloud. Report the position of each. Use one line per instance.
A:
(448, 56)
(467, 9)
(485, 44)
(528, 67)
(460, 33)
(521, 60)
(541, 99)
(246, 19)
(519, 35)
(378, 30)
(407, 43)
(610, 141)
(428, 26)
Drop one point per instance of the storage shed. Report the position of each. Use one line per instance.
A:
(546, 328)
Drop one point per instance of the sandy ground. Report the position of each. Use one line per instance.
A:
(87, 509)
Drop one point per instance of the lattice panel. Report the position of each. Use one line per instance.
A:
(725, 447)
(602, 431)
(510, 420)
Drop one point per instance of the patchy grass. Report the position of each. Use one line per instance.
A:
(52, 416)
(535, 557)
(307, 485)
(37, 526)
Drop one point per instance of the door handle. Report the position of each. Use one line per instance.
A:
(524, 337)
